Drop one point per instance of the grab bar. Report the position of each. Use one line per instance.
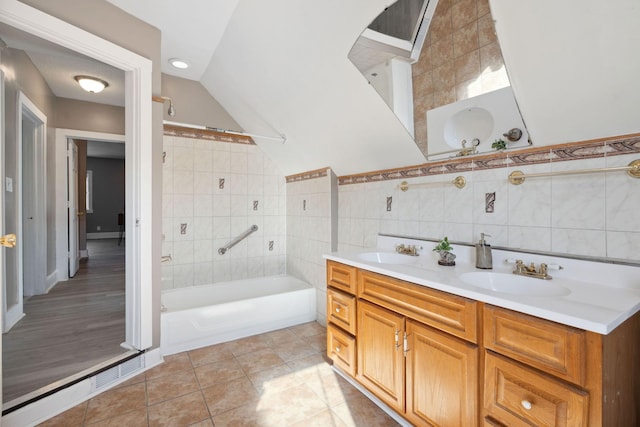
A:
(235, 241)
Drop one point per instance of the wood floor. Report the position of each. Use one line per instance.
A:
(78, 324)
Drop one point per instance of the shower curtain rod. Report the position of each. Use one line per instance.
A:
(282, 138)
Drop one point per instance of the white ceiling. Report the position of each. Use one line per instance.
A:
(281, 68)
(58, 66)
(191, 29)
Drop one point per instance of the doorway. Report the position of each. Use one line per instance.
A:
(141, 228)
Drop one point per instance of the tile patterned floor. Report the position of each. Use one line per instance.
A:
(274, 379)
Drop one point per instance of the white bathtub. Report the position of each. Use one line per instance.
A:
(199, 316)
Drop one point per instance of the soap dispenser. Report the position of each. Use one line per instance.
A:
(484, 259)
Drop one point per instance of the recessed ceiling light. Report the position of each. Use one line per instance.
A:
(179, 63)
(91, 84)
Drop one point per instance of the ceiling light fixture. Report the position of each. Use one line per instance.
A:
(91, 84)
(179, 63)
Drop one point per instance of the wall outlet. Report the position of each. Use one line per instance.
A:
(98, 227)
(9, 184)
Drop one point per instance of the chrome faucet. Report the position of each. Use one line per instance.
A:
(530, 270)
(408, 250)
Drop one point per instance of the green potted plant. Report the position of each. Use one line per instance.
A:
(499, 144)
(444, 249)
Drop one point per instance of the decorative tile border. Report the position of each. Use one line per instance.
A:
(613, 146)
(318, 173)
(211, 135)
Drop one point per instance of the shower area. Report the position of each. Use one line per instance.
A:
(242, 244)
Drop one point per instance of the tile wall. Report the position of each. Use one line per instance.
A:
(212, 192)
(589, 215)
(310, 231)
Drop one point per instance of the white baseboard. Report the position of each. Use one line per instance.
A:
(105, 235)
(55, 404)
(84, 253)
(52, 279)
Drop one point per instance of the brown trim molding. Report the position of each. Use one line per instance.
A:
(318, 173)
(612, 146)
(211, 135)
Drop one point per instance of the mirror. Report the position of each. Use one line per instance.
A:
(439, 68)
(67, 319)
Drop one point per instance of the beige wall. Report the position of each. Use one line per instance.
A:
(460, 59)
(88, 116)
(21, 76)
(194, 105)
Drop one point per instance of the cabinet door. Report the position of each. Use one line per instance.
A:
(442, 378)
(380, 364)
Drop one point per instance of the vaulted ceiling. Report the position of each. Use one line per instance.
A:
(281, 68)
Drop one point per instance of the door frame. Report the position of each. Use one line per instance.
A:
(141, 265)
(62, 225)
(27, 110)
(73, 231)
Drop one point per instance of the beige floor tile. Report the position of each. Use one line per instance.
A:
(294, 349)
(248, 345)
(135, 418)
(224, 397)
(332, 389)
(116, 402)
(293, 404)
(135, 380)
(277, 378)
(210, 354)
(278, 409)
(205, 423)
(219, 372)
(259, 360)
(325, 418)
(319, 342)
(178, 412)
(172, 364)
(313, 365)
(171, 386)
(308, 329)
(359, 411)
(70, 418)
(280, 336)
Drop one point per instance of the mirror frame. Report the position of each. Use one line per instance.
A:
(138, 151)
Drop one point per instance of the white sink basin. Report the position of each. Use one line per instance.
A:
(387, 258)
(514, 284)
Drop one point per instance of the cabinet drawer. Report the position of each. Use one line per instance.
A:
(557, 349)
(341, 348)
(341, 310)
(341, 276)
(520, 396)
(450, 313)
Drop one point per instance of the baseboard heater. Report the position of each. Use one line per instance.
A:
(100, 376)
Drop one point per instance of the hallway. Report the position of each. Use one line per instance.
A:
(78, 324)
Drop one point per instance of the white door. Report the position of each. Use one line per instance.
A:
(72, 203)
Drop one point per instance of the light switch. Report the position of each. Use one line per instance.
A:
(9, 184)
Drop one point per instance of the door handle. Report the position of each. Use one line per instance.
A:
(80, 213)
(8, 241)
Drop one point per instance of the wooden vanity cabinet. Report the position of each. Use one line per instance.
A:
(541, 373)
(341, 316)
(465, 363)
(427, 375)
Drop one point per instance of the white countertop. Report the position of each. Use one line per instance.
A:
(602, 295)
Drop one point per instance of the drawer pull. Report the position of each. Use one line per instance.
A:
(526, 405)
(337, 309)
(338, 349)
